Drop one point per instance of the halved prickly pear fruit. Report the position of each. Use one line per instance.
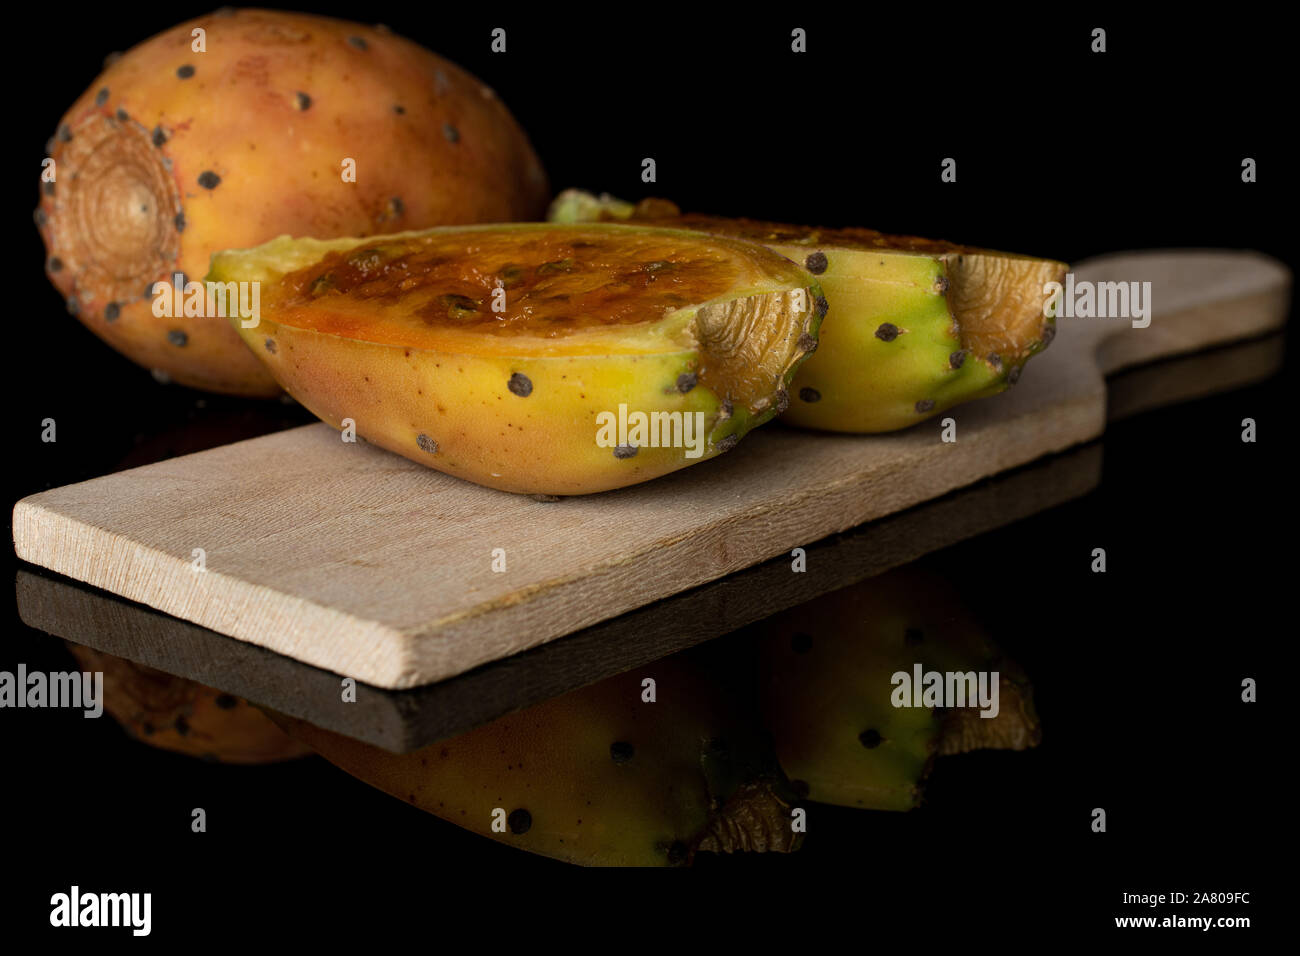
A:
(279, 123)
(830, 694)
(533, 358)
(172, 713)
(600, 776)
(916, 325)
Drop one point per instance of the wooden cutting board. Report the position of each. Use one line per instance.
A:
(405, 720)
(368, 565)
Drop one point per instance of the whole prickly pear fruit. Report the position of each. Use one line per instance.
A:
(240, 126)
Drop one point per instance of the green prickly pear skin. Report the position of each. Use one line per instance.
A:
(914, 326)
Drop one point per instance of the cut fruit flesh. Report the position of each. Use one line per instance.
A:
(495, 353)
(916, 325)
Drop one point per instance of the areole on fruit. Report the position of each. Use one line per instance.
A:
(917, 325)
(534, 358)
(118, 228)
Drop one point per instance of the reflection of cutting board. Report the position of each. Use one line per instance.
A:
(364, 563)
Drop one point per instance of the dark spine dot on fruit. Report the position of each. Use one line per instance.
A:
(520, 385)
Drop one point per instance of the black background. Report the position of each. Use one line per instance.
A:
(1060, 153)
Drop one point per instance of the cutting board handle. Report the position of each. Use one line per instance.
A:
(1196, 298)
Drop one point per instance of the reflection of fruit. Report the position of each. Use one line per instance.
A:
(916, 325)
(1015, 727)
(172, 154)
(512, 355)
(179, 715)
(828, 690)
(598, 776)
